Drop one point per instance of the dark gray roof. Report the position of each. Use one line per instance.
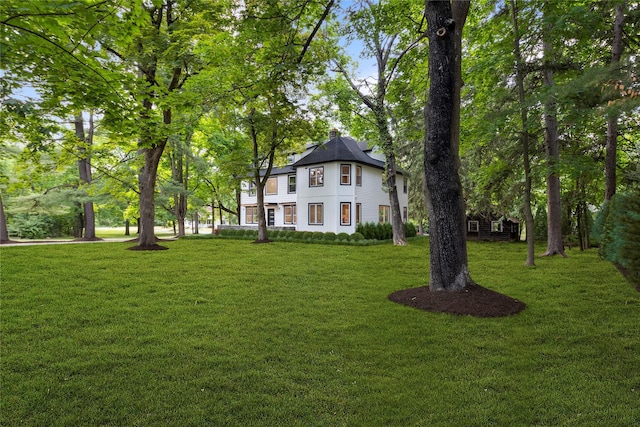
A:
(279, 171)
(339, 149)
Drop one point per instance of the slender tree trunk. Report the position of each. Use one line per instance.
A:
(84, 171)
(612, 121)
(127, 224)
(443, 190)
(263, 234)
(554, 205)
(4, 232)
(524, 139)
(399, 238)
(196, 221)
(179, 198)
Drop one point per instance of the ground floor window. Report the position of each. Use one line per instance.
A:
(405, 214)
(383, 213)
(316, 214)
(473, 226)
(290, 214)
(358, 213)
(251, 215)
(496, 226)
(345, 213)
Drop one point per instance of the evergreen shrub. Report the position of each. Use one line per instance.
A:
(318, 235)
(306, 235)
(410, 230)
(356, 237)
(342, 236)
(329, 236)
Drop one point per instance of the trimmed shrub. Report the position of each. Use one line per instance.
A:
(329, 236)
(274, 234)
(298, 235)
(356, 237)
(251, 233)
(306, 235)
(318, 235)
(410, 230)
(342, 236)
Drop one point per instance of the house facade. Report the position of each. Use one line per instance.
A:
(329, 187)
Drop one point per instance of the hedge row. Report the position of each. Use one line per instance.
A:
(383, 231)
(300, 236)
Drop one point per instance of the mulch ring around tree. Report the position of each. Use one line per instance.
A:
(473, 301)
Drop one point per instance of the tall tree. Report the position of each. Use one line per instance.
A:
(611, 164)
(554, 205)
(387, 30)
(84, 171)
(443, 190)
(524, 135)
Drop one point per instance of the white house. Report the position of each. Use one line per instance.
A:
(329, 187)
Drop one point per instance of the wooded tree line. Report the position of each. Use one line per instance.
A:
(172, 102)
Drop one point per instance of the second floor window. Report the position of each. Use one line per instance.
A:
(252, 188)
(292, 184)
(272, 186)
(359, 176)
(316, 177)
(345, 174)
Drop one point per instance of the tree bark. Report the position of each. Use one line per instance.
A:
(152, 155)
(443, 190)
(397, 226)
(4, 232)
(554, 205)
(84, 171)
(524, 139)
(612, 120)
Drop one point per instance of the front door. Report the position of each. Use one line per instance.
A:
(271, 217)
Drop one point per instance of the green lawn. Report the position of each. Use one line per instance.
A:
(224, 332)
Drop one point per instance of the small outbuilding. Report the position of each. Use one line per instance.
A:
(492, 228)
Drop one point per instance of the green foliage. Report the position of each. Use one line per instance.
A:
(410, 230)
(222, 332)
(342, 237)
(40, 226)
(329, 236)
(618, 228)
(317, 235)
(375, 231)
(540, 222)
(307, 235)
(356, 237)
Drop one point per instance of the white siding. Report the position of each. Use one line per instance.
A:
(370, 196)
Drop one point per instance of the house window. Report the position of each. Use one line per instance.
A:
(272, 186)
(358, 213)
(316, 213)
(252, 188)
(345, 174)
(290, 214)
(292, 184)
(359, 176)
(251, 215)
(316, 177)
(345, 213)
(404, 185)
(496, 226)
(404, 214)
(473, 226)
(383, 213)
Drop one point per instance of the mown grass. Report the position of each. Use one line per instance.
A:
(224, 332)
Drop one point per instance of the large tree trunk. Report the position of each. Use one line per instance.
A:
(554, 206)
(152, 155)
(612, 120)
(4, 232)
(524, 139)
(84, 171)
(443, 190)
